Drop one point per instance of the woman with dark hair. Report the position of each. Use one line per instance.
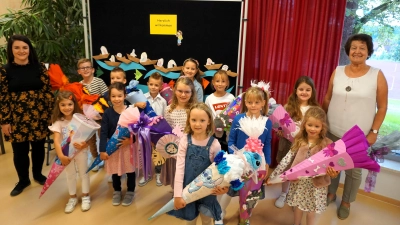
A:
(357, 95)
(26, 103)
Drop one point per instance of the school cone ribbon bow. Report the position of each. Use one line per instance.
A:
(141, 129)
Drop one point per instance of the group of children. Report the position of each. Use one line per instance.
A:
(198, 146)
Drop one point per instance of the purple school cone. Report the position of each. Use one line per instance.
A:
(159, 129)
(346, 153)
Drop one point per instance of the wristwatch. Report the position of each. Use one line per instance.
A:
(374, 131)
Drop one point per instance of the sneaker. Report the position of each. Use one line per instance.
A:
(128, 198)
(143, 182)
(40, 179)
(19, 187)
(71, 205)
(110, 179)
(96, 168)
(85, 203)
(158, 181)
(219, 222)
(116, 200)
(280, 202)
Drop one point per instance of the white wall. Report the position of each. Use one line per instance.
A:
(387, 182)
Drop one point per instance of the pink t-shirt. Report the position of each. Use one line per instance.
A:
(180, 163)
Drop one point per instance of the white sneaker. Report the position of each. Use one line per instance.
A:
(110, 179)
(71, 205)
(96, 168)
(219, 222)
(143, 182)
(86, 204)
(158, 181)
(280, 202)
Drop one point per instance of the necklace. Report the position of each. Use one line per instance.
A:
(348, 89)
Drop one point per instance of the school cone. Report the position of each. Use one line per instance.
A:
(80, 129)
(346, 153)
(226, 171)
(130, 115)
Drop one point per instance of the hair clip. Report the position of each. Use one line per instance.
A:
(264, 86)
(70, 97)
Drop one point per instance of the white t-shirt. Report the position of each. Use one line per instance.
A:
(303, 110)
(158, 103)
(217, 104)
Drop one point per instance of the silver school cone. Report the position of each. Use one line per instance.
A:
(166, 208)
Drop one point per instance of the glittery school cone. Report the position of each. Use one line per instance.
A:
(227, 170)
(346, 153)
(80, 129)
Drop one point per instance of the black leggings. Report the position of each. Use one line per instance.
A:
(21, 158)
(130, 182)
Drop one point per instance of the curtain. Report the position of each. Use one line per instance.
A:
(289, 38)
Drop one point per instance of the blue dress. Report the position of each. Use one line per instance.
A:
(196, 161)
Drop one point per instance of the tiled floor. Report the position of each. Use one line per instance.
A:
(27, 208)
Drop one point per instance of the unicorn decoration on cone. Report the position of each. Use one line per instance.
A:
(226, 170)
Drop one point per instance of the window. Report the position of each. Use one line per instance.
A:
(381, 20)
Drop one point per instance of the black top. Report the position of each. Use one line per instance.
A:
(23, 77)
(109, 123)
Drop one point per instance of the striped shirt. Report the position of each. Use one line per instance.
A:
(97, 86)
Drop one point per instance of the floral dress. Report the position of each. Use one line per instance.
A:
(302, 193)
(28, 112)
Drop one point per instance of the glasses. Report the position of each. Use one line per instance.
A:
(184, 92)
(85, 68)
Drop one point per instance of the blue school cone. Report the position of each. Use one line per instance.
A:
(96, 162)
(166, 208)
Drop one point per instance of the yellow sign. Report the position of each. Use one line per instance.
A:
(163, 24)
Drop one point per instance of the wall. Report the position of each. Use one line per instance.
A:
(8, 4)
(387, 182)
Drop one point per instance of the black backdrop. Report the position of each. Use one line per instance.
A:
(210, 30)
